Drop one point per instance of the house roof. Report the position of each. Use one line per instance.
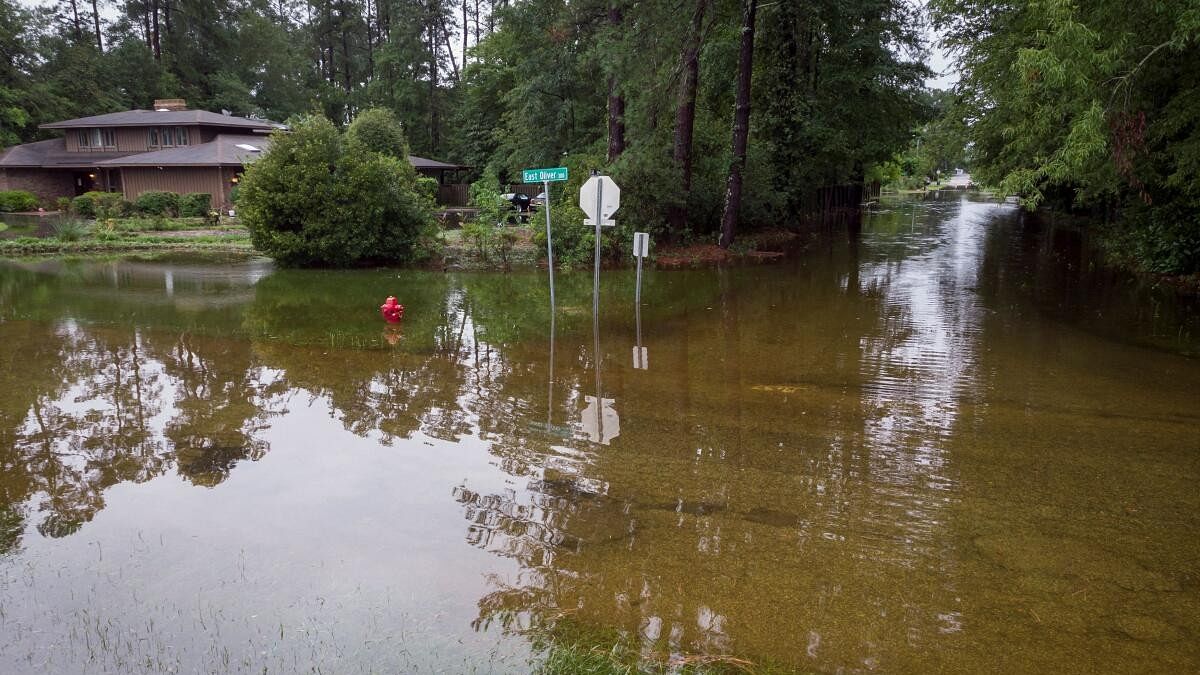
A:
(52, 154)
(224, 150)
(135, 118)
(422, 163)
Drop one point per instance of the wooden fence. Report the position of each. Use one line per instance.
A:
(457, 194)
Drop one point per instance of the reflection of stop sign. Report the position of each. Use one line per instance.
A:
(610, 199)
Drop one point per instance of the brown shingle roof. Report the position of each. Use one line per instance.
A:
(134, 118)
(223, 150)
(52, 154)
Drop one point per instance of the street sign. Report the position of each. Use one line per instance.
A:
(641, 244)
(554, 175)
(610, 199)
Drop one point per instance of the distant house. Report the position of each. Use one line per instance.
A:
(169, 149)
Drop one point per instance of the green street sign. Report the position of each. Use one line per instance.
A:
(543, 175)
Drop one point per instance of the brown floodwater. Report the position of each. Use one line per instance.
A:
(947, 443)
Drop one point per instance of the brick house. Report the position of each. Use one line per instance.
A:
(169, 149)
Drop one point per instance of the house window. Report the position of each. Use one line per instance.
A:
(181, 136)
(152, 137)
(167, 137)
(95, 139)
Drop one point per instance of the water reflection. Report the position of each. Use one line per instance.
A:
(846, 463)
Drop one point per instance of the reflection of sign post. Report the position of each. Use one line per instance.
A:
(641, 358)
(600, 423)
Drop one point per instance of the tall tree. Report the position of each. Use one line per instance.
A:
(685, 114)
(741, 125)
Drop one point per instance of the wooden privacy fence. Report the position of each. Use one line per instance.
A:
(457, 194)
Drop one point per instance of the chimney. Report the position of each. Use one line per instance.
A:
(170, 104)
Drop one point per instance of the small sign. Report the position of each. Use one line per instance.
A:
(641, 244)
(641, 358)
(555, 175)
(610, 196)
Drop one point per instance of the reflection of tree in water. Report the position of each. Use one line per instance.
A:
(89, 408)
(222, 401)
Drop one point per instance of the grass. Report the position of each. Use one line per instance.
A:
(118, 243)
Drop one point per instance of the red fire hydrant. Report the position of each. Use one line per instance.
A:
(391, 310)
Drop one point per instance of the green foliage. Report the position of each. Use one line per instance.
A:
(17, 200)
(158, 204)
(428, 188)
(195, 205)
(83, 206)
(377, 130)
(312, 200)
(97, 204)
(1088, 105)
(69, 229)
(492, 209)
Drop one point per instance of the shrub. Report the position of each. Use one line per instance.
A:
(63, 204)
(428, 188)
(17, 200)
(312, 200)
(158, 203)
(195, 205)
(69, 229)
(108, 204)
(83, 206)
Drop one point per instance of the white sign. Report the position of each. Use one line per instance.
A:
(610, 199)
(641, 244)
(641, 358)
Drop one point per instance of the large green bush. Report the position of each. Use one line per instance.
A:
(195, 205)
(158, 203)
(17, 200)
(314, 198)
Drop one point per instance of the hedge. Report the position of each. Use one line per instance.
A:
(158, 203)
(195, 205)
(17, 200)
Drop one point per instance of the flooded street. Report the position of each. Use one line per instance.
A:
(948, 443)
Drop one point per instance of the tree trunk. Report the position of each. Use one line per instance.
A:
(77, 31)
(156, 45)
(685, 116)
(616, 102)
(434, 131)
(466, 34)
(741, 125)
(96, 23)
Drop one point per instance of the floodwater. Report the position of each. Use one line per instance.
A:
(950, 443)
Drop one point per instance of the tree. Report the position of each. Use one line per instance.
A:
(316, 198)
(1088, 105)
(741, 124)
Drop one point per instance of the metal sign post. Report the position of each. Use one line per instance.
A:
(599, 198)
(641, 249)
(549, 249)
(547, 176)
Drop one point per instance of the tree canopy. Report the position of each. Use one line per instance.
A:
(1091, 105)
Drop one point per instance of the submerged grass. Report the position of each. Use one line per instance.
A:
(116, 244)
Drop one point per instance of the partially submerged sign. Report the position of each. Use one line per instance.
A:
(609, 195)
(554, 175)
